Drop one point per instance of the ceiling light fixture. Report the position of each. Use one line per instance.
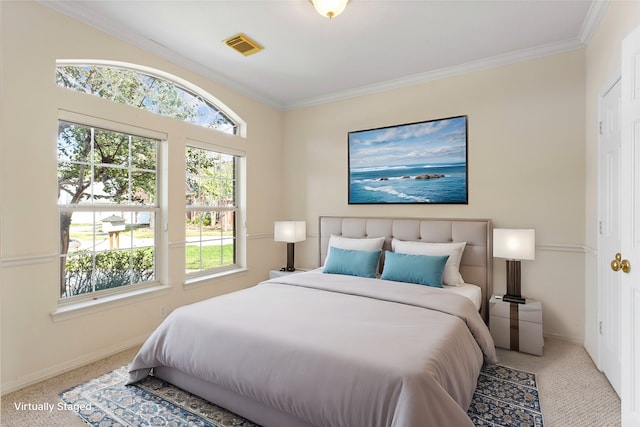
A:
(329, 8)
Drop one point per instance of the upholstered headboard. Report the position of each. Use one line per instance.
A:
(476, 265)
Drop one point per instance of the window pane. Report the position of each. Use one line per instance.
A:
(84, 237)
(144, 185)
(208, 190)
(74, 180)
(74, 142)
(74, 163)
(227, 192)
(210, 240)
(80, 229)
(111, 148)
(110, 185)
(143, 264)
(77, 274)
(146, 92)
(139, 230)
(113, 269)
(143, 153)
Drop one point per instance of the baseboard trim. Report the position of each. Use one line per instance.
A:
(78, 362)
(566, 339)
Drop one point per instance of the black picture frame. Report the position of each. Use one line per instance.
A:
(414, 163)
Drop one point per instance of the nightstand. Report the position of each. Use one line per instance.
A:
(279, 273)
(517, 327)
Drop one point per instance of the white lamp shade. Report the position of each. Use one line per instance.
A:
(330, 8)
(513, 243)
(290, 231)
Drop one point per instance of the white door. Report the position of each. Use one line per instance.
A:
(610, 145)
(630, 228)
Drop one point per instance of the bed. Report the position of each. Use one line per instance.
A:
(327, 348)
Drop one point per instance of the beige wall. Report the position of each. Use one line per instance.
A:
(526, 167)
(530, 149)
(603, 66)
(33, 346)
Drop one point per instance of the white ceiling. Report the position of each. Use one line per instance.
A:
(373, 45)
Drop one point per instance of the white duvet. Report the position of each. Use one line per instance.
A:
(332, 350)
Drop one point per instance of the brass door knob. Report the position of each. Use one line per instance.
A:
(620, 264)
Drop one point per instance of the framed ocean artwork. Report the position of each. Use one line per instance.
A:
(424, 162)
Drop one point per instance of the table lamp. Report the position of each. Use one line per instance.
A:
(514, 245)
(290, 232)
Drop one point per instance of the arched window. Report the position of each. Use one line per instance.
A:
(145, 91)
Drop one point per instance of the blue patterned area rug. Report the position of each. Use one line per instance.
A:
(503, 397)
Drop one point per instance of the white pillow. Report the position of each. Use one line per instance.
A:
(364, 244)
(451, 274)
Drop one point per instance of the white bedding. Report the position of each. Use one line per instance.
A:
(473, 292)
(332, 350)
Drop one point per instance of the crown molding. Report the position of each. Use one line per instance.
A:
(470, 67)
(592, 20)
(589, 26)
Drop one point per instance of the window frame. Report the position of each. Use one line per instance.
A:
(240, 125)
(104, 124)
(237, 209)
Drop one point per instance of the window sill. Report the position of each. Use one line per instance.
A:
(93, 306)
(198, 281)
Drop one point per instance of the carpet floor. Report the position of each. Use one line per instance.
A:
(504, 397)
(572, 391)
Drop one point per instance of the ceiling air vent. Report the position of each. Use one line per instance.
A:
(243, 44)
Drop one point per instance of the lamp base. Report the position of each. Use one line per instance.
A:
(514, 298)
(513, 283)
(291, 250)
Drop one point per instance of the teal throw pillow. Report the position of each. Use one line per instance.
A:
(352, 262)
(421, 269)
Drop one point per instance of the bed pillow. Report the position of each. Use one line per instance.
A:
(352, 262)
(363, 244)
(421, 269)
(452, 274)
